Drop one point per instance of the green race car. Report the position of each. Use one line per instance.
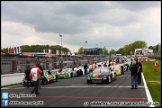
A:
(66, 73)
(48, 76)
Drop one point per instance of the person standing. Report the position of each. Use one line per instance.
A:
(134, 75)
(27, 72)
(39, 79)
(85, 68)
(139, 70)
(34, 75)
(156, 68)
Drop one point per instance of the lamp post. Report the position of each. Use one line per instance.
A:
(97, 45)
(86, 43)
(61, 51)
(61, 41)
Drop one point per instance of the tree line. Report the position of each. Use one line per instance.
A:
(40, 48)
(126, 49)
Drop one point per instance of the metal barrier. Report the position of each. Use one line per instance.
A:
(7, 79)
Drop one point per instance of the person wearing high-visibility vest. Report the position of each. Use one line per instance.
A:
(34, 75)
(156, 68)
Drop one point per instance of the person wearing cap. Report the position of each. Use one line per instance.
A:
(39, 80)
(34, 75)
(134, 75)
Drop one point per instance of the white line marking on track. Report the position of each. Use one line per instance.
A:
(80, 86)
(92, 87)
(147, 91)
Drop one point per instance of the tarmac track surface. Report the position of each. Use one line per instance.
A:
(75, 92)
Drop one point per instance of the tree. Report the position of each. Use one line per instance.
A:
(120, 51)
(104, 51)
(81, 51)
(112, 51)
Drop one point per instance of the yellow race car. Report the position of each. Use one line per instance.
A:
(117, 68)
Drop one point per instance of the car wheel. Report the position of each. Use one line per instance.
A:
(115, 77)
(44, 82)
(56, 78)
(71, 75)
(89, 81)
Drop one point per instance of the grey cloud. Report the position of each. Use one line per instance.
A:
(82, 9)
(68, 17)
(137, 5)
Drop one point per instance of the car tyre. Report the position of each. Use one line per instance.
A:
(89, 81)
(44, 82)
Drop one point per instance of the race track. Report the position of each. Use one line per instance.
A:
(75, 92)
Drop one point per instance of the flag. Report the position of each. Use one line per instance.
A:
(69, 53)
(10, 50)
(14, 50)
(49, 51)
(19, 50)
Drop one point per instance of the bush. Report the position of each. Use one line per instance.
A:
(155, 56)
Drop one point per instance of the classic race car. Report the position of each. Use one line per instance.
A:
(116, 68)
(66, 73)
(101, 75)
(48, 76)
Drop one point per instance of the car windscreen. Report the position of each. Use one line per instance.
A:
(101, 69)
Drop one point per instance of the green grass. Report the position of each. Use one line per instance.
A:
(153, 80)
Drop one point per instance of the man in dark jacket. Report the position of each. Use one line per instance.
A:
(85, 68)
(27, 72)
(139, 70)
(134, 74)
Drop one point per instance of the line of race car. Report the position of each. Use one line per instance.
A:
(101, 74)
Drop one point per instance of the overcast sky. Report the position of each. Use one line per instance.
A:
(110, 24)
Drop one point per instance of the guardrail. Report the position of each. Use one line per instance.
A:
(7, 79)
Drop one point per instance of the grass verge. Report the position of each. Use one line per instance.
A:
(153, 80)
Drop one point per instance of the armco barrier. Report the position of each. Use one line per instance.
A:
(7, 79)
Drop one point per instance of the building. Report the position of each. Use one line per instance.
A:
(92, 51)
(143, 52)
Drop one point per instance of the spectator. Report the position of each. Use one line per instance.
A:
(156, 68)
(134, 75)
(139, 70)
(85, 68)
(27, 72)
(93, 67)
(34, 75)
